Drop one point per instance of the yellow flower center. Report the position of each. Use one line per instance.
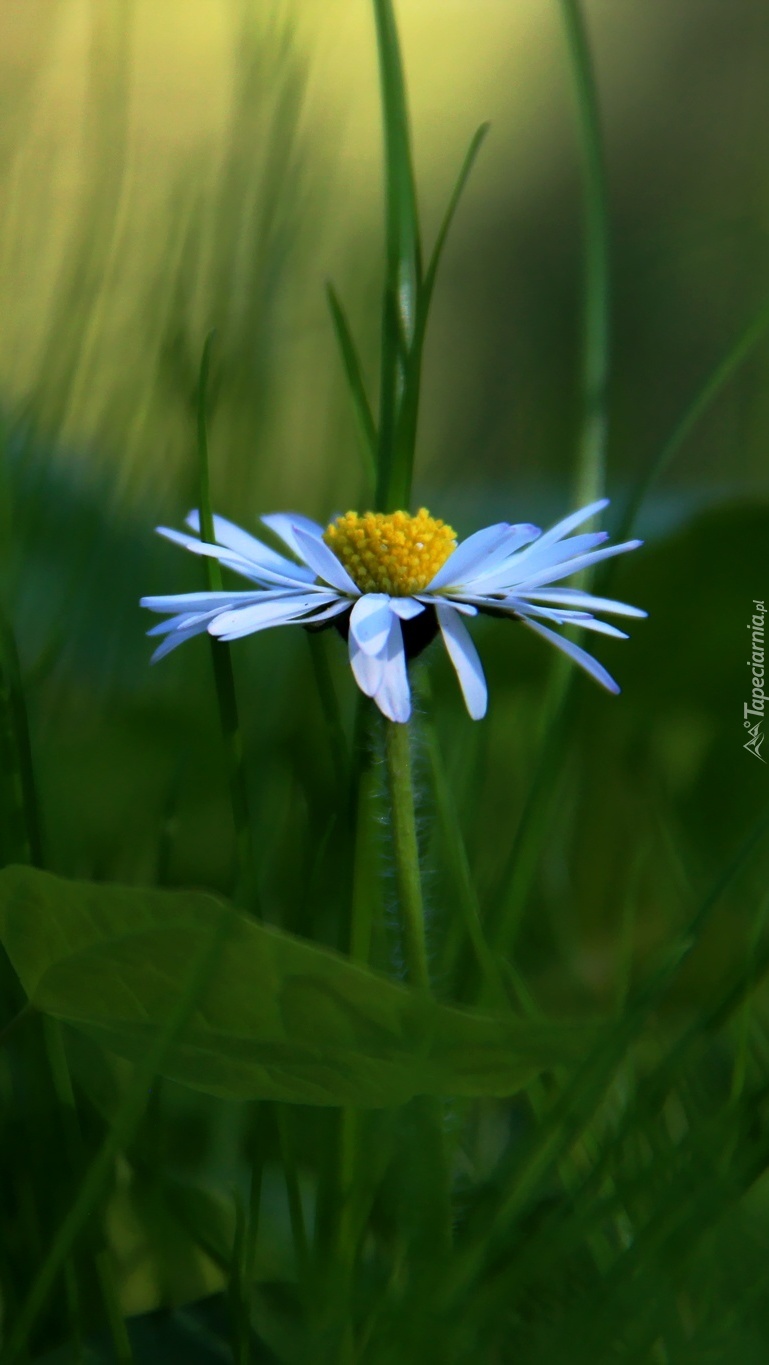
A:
(391, 552)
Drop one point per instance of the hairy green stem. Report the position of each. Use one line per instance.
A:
(405, 848)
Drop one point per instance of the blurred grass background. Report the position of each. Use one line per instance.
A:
(165, 169)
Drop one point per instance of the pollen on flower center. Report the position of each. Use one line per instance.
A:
(391, 552)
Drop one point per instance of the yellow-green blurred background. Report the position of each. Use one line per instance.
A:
(169, 165)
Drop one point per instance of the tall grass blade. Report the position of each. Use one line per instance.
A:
(716, 381)
(125, 1123)
(246, 881)
(403, 269)
(408, 412)
(577, 1102)
(21, 774)
(476, 143)
(591, 463)
(590, 476)
(354, 375)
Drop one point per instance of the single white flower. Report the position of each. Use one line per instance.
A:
(389, 582)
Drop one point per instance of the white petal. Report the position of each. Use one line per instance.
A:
(535, 559)
(202, 601)
(570, 566)
(458, 603)
(393, 696)
(518, 568)
(179, 622)
(574, 597)
(284, 525)
(324, 563)
(178, 637)
(295, 575)
(249, 548)
(231, 625)
(570, 523)
(565, 618)
(604, 628)
(562, 616)
(335, 609)
(464, 657)
(494, 560)
(471, 555)
(370, 622)
(406, 607)
(367, 668)
(580, 656)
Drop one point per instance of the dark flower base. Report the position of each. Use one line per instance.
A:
(418, 633)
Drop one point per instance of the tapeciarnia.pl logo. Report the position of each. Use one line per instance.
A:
(753, 711)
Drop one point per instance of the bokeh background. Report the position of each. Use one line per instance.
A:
(166, 168)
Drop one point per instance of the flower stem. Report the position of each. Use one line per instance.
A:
(404, 835)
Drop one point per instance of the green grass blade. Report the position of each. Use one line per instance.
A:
(469, 925)
(404, 253)
(126, 1121)
(246, 893)
(22, 772)
(716, 381)
(407, 295)
(213, 567)
(403, 271)
(448, 217)
(589, 1211)
(591, 464)
(26, 840)
(354, 374)
(508, 903)
(408, 411)
(577, 1102)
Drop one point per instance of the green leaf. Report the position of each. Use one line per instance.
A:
(354, 373)
(714, 383)
(413, 347)
(464, 174)
(403, 272)
(279, 1018)
(221, 662)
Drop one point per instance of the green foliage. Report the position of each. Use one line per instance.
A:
(407, 293)
(281, 1019)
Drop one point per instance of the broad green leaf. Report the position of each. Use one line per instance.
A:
(280, 1018)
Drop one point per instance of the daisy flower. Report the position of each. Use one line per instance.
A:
(390, 582)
